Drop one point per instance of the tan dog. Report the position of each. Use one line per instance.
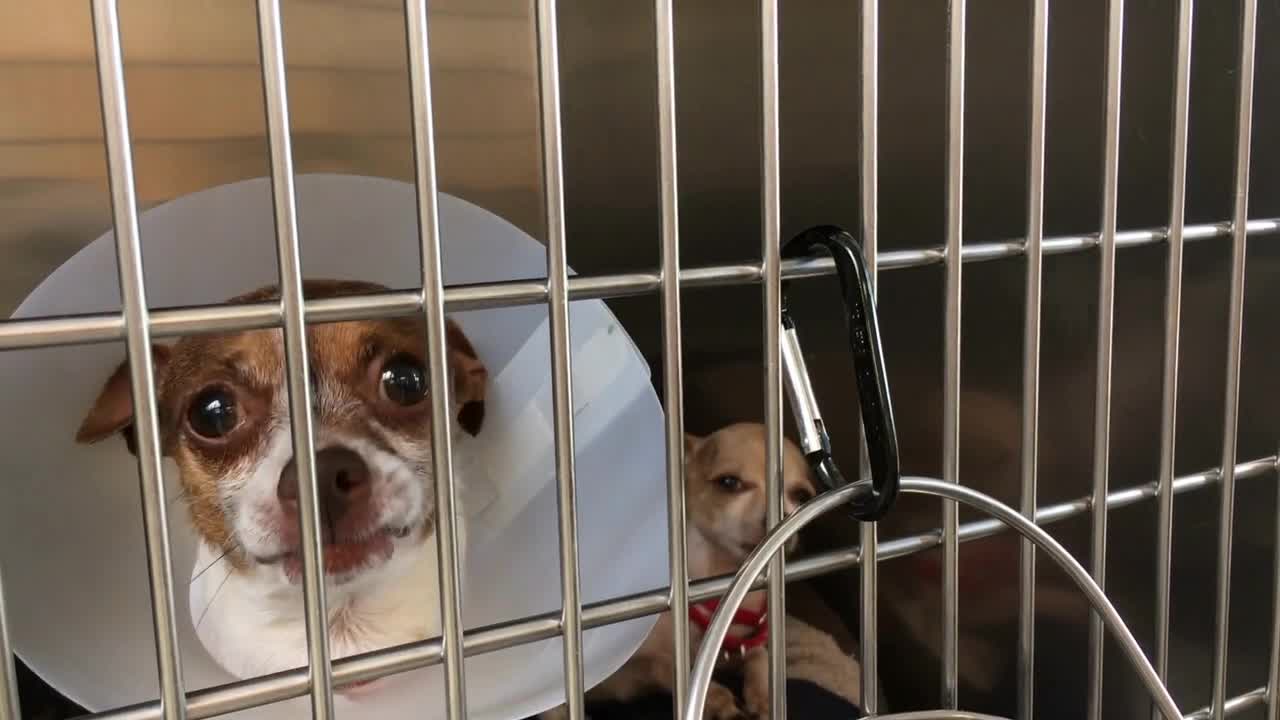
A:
(815, 656)
(224, 419)
(725, 514)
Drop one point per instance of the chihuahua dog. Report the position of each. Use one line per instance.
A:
(224, 419)
(725, 514)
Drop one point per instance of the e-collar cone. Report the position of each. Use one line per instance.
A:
(71, 539)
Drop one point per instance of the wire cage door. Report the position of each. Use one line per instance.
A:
(138, 324)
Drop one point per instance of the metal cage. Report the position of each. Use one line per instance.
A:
(136, 325)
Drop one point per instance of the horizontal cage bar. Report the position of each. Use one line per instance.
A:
(108, 327)
(1234, 705)
(370, 666)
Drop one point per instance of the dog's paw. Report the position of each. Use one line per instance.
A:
(756, 699)
(722, 705)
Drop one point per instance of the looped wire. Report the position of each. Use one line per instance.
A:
(705, 662)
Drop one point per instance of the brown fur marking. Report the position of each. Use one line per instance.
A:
(346, 364)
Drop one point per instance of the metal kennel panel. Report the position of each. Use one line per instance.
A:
(136, 325)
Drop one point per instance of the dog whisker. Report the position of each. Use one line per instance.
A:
(213, 599)
(215, 561)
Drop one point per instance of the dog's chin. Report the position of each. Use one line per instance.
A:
(347, 560)
(360, 690)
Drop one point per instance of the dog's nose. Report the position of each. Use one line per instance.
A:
(342, 477)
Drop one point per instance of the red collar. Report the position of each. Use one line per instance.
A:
(700, 614)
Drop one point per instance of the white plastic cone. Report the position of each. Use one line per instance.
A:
(71, 540)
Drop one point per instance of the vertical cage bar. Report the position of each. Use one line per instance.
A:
(1235, 338)
(9, 709)
(1273, 672)
(1031, 352)
(1172, 331)
(426, 186)
(672, 367)
(562, 377)
(297, 370)
(771, 212)
(869, 178)
(124, 211)
(951, 348)
(1106, 317)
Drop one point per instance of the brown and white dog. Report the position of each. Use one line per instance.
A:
(224, 420)
(725, 515)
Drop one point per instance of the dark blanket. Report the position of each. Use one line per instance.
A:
(804, 700)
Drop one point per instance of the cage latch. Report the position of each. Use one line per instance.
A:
(873, 387)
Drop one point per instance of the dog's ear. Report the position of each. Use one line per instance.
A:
(470, 379)
(112, 412)
(691, 444)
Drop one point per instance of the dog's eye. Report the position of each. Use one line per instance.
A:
(800, 497)
(404, 382)
(213, 413)
(732, 483)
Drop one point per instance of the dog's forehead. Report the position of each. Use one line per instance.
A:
(343, 348)
(741, 449)
(332, 348)
(259, 354)
(739, 442)
(795, 470)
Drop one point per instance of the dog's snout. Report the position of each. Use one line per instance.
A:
(342, 478)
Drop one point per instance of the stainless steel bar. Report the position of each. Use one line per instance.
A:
(1045, 515)
(602, 286)
(1234, 706)
(869, 179)
(108, 327)
(388, 304)
(672, 352)
(1273, 674)
(216, 701)
(951, 351)
(1039, 82)
(1172, 331)
(771, 252)
(1235, 341)
(51, 332)
(1106, 317)
(510, 294)
(297, 367)
(938, 715)
(427, 186)
(561, 366)
(9, 709)
(370, 666)
(124, 212)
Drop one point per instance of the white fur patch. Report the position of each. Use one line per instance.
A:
(251, 621)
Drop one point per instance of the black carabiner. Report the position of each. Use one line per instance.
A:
(869, 373)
